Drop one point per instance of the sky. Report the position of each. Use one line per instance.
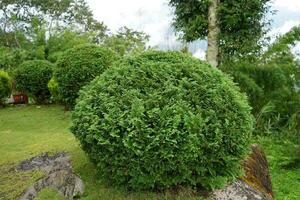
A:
(154, 17)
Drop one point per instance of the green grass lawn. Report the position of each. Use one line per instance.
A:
(285, 174)
(27, 131)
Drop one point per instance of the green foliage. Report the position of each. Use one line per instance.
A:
(77, 67)
(22, 16)
(272, 83)
(61, 41)
(38, 30)
(5, 86)
(284, 164)
(163, 119)
(10, 58)
(242, 24)
(32, 78)
(53, 88)
(272, 93)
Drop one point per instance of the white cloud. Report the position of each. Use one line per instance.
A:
(286, 8)
(286, 27)
(291, 5)
(153, 17)
(296, 50)
(200, 53)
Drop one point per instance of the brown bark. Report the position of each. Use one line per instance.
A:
(213, 34)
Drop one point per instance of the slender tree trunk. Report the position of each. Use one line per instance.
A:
(213, 34)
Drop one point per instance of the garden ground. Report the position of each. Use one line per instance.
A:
(26, 131)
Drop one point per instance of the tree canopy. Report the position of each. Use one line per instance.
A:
(242, 24)
(43, 30)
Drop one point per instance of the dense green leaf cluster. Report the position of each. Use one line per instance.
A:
(163, 119)
(61, 41)
(265, 83)
(32, 78)
(273, 94)
(5, 86)
(272, 83)
(77, 67)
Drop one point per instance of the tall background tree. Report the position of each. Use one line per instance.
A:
(127, 41)
(233, 28)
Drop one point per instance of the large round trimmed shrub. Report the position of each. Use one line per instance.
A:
(163, 119)
(5, 86)
(77, 67)
(32, 78)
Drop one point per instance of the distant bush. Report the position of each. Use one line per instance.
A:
(32, 78)
(274, 94)
(163, 119)
(5, 86)
(77, 67)
(53, 88)
(272, 83)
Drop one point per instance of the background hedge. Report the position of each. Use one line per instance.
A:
(163, 119)
(32, 78)
(77, 67)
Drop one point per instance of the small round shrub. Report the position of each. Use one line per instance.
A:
(77, 67)
(32, 78)
(5, 86)
(163, 119)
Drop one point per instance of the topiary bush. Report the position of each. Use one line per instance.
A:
(77, 67)
(5, 86)
(163, 119)
(32, 78)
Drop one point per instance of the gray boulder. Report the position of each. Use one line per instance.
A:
(58, 176)
(255, 185)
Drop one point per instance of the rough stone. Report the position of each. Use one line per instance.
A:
(257, 172)
(238, 190)
(39, 162)
(58, 176)
(255, 185)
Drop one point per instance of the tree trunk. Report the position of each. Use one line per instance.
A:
(213, 34)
